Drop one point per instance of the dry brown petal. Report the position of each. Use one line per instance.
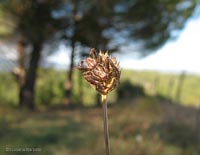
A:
(101, 71)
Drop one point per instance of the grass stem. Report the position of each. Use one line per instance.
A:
(106, 132)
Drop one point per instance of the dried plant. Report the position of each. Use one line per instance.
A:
(103, 73)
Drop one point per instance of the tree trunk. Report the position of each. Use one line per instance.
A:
(27, 90)
(69, 81)
(19, 71)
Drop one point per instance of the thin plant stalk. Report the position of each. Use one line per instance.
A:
(106, 131)
(103, 73)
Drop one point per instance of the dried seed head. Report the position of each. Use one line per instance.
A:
(101, 71)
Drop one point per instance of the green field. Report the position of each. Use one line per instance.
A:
(50, 87)
(150, 124)
(166, 85)
(145, 126)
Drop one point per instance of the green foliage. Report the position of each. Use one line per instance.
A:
(50, 87)
(8, 89)
(137, 18)
(154, 28)
(5, 26)
(33, 19)
(89, 94)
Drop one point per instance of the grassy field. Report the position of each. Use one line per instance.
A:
(143, 126)
(166, 84)
(50, 87)
(152, 124)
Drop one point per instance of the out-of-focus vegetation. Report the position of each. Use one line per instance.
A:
(50, 88)
(166, 85)
(8, 89)
(108, 25)
(144, 126)
(147, 116)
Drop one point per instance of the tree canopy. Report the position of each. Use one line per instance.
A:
(148, 24)
(106, 24)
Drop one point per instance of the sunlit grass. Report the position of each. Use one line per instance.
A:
(143, 126)
(50, 87)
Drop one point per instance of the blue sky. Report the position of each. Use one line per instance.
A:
(180, 55)
(183, 54)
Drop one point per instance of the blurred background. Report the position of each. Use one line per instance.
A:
(46, 106)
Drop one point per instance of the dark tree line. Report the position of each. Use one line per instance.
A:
(100, 24)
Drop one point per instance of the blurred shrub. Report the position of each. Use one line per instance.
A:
(127, 90)
(8, 89)
(50, 87)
